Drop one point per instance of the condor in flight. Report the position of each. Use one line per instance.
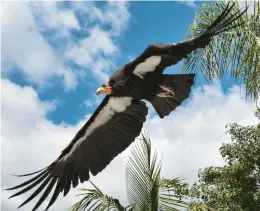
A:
(119, 118)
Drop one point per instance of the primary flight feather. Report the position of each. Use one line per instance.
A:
(119, 118)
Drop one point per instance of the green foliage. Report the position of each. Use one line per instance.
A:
(235, 186)
(198, 206)
(171, 194)
(235, 52)
(145, 188)
(94, 199)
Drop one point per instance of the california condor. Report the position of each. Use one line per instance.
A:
(119, 118)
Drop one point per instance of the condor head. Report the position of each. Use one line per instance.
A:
(115, 86)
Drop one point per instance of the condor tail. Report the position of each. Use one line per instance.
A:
(171, 91)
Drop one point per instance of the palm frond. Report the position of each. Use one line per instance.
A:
(142, 175)
(95, 199)
(146, 189)
(235, 52)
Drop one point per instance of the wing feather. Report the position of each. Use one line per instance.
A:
(157, 57)
(42, 186)
(27, 182)
(46, 193)
(110, 130)
(39, 180)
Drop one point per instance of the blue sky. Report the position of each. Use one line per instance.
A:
(164, 22)
(55, 55)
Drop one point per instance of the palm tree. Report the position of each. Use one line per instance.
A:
(236, 53)
(146, 189)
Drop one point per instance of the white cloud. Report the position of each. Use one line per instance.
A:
(26, 48)
(188, 3)
(94, 53)
(115, 14)
(54, 17)
(98, 42)
(189, 138)
(98, 51)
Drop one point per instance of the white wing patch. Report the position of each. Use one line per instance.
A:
(114, 105)
(148, 65)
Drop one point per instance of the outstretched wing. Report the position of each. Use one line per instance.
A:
(157, 57)
(110, 130)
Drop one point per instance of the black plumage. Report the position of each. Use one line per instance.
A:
(119, 118)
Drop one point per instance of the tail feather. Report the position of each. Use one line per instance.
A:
(171, 92)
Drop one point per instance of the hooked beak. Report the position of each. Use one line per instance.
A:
(104, 89)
